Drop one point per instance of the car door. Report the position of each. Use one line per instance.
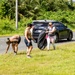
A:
(58, 28)
(63, 31)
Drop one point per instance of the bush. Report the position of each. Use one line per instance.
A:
(7, 26)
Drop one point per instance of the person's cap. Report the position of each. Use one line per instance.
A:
(50, 24)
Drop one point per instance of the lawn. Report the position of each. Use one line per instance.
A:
(54, 62)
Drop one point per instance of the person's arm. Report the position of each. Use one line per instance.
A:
(31, 30)
(32, 37)
(7, 48)
(47, 30)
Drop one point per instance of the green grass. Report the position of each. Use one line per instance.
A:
(54, 62)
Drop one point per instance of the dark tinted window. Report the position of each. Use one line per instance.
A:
(58, 24)
(40, 23)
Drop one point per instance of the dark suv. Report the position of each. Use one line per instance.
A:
(62, 31)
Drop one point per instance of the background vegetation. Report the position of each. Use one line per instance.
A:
(28, 10)
(54, 62)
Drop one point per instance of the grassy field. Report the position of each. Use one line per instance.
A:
(54, 62)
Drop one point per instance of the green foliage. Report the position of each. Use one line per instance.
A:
(8, 9)
(6, 26)
(29, 10)
(32, 8)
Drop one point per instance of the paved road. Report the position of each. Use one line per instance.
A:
(3, 45)
(22, 44)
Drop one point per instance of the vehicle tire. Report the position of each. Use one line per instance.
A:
(56, 38)
(69, 37)
(41, 41)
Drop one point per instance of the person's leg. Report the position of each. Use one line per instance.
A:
(7, 48)
(48, 43)
(13, 47)
(26, 42)
(29, 50)
(53, 42)
(16, 47)
(29, 47)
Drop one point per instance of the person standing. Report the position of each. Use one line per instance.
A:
(14, 40)
(28, 38)
(50, 36)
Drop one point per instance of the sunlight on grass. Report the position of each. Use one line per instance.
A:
(54, 62)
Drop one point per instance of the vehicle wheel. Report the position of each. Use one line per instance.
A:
(70, 37)
(56, 38)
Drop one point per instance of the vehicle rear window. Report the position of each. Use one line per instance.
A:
(40, 23)
(58, 24)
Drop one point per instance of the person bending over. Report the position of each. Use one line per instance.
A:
(14, 41)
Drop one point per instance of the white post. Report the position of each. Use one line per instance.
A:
(16, 14)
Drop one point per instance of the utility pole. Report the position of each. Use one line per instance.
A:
(71, 3)
(16, 14)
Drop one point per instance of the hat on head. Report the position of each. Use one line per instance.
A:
(50, 24)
